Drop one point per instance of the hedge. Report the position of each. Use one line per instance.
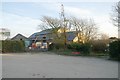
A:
(13, 46)
(55, 46)
(82, 48)
(114, 50)
(99, 46)
(0, 46)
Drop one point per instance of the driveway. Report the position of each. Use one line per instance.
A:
(42, 65)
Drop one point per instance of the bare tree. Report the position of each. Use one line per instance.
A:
(90, 30)
(79, 26)
(50, 23)
(65, 25)
(85, 29)
(104, 36)
(116, 17)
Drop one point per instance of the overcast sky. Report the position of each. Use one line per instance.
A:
(24, 17)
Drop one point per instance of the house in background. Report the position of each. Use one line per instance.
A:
(38, 36)
(42, 39)
(70, 36)
(19, 37)
(45, 37)
(4, 33)
(49, 36)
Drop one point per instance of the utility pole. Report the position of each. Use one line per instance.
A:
(63, 24)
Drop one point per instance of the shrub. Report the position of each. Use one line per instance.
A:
(0, 46)
(12, 46)
(82, 48)
(51, 47)
(56, 46)
(99, 46)
(86, 48)
(74, 47)
(114, 50)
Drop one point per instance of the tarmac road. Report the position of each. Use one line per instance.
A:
(42, 65)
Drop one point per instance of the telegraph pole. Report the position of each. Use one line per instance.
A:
(63, 24)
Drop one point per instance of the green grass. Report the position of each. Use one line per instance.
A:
(68, 52)
(99, 54)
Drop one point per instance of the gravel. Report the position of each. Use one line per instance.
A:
(42, 65)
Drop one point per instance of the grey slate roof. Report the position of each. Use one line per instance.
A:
(19, 37)
(47, 31)
(70, 35)
(40, 35)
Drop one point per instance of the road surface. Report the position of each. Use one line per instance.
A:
(42, 65)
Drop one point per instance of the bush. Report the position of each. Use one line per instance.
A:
(56, 46)
(0, 46)
(12, 46)
(82, 48)
(72, 47)
(51, 47)
(99, 46)
(114, 50)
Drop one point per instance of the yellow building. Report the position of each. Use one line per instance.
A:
(79, 37)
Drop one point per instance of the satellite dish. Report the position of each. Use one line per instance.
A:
(4, 33)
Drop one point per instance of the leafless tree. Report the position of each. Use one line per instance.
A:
(91, 30)
(55, 25)
(85, 29)
(116, 17)
(104, 36)
(50, 23)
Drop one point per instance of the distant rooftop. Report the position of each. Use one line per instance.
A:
(19, 37)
